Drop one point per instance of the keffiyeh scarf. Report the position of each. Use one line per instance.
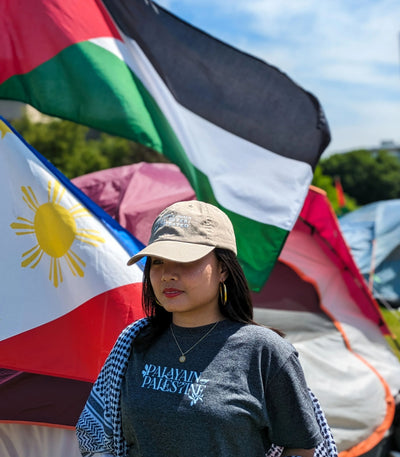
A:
(99, 428)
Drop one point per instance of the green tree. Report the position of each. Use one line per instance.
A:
(76, 150)
(365, 176)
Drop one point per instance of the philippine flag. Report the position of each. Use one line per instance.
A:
(66, 290)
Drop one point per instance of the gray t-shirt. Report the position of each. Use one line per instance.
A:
(239, 390)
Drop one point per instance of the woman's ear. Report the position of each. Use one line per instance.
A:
(223, 272)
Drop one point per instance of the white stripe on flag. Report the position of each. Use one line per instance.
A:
(31, 297)
(246, 179)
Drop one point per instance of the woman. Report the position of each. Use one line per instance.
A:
(198, 377)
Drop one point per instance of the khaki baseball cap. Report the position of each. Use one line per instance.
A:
(187, 231)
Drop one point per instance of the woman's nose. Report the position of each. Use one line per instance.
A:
(169, 272)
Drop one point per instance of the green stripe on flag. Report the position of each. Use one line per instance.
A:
(97, 82)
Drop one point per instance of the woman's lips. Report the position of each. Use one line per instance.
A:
(171, 293)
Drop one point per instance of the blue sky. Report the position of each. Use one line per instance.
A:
(346, 52)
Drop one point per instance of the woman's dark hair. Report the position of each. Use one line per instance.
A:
(239, 306)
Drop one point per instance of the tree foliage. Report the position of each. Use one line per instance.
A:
(76, 150)
(365, 176)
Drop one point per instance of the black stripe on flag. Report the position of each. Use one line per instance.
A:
(229, 88)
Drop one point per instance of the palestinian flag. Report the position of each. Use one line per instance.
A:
(66, 289)
(245, 135)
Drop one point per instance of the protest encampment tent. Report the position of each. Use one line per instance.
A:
(373, 235)
(318, 297)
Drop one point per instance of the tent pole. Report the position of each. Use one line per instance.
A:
(372, 267)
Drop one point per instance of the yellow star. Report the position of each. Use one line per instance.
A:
(4, 129)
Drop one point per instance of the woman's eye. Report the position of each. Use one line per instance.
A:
(156, 262)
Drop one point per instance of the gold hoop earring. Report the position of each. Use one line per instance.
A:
(223, 293)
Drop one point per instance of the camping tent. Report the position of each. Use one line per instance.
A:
(373, 235)
(329, 315)
(315, 294)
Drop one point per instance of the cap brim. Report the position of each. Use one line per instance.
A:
(173, 250)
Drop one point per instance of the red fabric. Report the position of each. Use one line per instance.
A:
(95, 325)
(339, 193)
(317, 217)
(34, 31)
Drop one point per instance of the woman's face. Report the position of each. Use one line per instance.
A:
(188, 290)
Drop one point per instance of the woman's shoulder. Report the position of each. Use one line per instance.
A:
(138, 324)
(260, 331)
(263, 337)
(131, 331)
(134, 328)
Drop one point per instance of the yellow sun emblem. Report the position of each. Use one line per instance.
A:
(55, 228)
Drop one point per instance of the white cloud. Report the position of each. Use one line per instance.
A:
(319, 32)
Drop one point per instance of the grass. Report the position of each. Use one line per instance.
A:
(392, 319)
